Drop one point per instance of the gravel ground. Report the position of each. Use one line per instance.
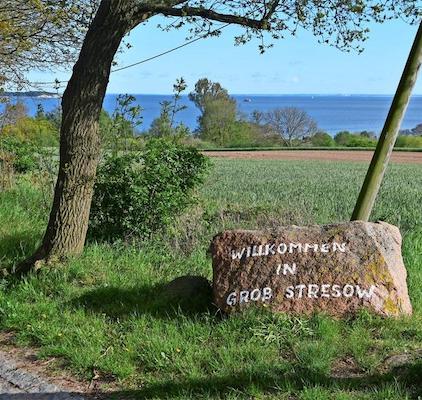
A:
(19, 384)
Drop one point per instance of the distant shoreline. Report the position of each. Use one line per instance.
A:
(277, 94)
(33, 94)
(55, 95)
(333, 113)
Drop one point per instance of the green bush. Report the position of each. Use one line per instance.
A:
(409, 141)
(322, 139)
(24, 155)
(242, 134)
(342, 138)
(363, 139)
(39, 132)
(139, 193)
(24, 138)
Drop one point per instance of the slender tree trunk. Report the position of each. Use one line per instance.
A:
(79, 136)
(390, 131)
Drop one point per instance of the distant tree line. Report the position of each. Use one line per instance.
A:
(219, 124)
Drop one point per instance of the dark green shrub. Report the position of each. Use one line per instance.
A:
(26, 139)
(409, 141)
(322, 139)
(139, 193)
(342, 138)
(242, 134)
(24, 154)
(39, 132)
(363, 139)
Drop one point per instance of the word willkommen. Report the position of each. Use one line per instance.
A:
(269, 249)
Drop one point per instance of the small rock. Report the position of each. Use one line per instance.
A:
(188, 286)
(401, 360)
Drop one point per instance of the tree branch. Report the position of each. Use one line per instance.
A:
(272, 9)
(259, 24)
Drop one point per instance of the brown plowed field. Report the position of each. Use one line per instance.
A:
(326, 155)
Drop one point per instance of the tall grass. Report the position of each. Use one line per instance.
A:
(104, 313)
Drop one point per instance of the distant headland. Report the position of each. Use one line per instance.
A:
(36, 94)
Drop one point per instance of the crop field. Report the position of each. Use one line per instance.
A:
(104, 315)
(315, 154)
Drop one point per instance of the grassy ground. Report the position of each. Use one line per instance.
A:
(104, 313)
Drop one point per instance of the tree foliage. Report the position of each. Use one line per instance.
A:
(16, 125)
(322, 139)
(362, 139)
(205, 91)
(340, 23)
(218, 120)
(45, 34)
(290, 123)
(22, 138)
(40, 34)
(12, 113)
(409, 141)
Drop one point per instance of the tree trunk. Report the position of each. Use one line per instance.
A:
(79, 136)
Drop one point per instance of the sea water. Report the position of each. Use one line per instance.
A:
(333, 113)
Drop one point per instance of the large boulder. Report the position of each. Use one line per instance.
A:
(337, 269)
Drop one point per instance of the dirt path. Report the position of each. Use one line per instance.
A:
(326, 155)
(17, 383)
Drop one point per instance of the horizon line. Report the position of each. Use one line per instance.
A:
(231, 94)
(272, 94)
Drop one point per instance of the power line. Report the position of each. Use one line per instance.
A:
(57, 82)
(171, 50)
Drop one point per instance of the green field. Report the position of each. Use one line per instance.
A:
(103, 313)
(313, 148)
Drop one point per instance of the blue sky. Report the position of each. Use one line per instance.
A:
(295, 65)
